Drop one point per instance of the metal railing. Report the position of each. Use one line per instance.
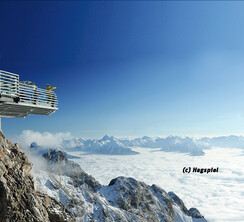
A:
(9, 84)
(31, 94)
(27, 94)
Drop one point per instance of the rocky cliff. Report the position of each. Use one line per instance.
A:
(19, 199)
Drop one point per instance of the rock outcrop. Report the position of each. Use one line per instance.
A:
(59, 164)
(192, 212)
(19, 199)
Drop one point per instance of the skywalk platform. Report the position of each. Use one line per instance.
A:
(20, 99)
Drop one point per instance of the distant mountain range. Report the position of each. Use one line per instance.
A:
(170, 144)
(225, 141)
(110, 145)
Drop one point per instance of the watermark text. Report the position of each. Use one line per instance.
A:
(200, 170)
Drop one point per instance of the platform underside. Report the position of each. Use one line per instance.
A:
(12, 109)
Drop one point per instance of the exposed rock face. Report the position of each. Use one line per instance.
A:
(142, 202)
(59, 164)
(19, 199)
(193, 212)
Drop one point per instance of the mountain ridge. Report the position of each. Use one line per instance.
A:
(112, 145)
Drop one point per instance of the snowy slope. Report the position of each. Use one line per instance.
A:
(124, 199)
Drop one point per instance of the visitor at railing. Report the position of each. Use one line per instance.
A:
(50, 94)
(31, 94)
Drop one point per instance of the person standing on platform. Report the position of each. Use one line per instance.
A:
(50, 94)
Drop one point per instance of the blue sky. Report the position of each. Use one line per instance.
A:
(129, 68)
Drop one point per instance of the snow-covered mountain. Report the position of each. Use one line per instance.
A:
(225, 141)
(106, 145)
(75, 144)
(170, 144)
(124, 199)
(144, 141)
(179, 144)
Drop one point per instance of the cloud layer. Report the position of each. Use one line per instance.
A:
(44, 139)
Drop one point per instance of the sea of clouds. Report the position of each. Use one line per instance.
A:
(218, 196)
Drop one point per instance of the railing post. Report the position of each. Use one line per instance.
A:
(0, 81)
(17, 86)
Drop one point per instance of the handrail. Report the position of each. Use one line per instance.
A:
(12, 74)
(35, 95)
(27, 94)
(30, 88)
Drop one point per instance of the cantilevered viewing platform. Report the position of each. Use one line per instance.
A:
(20, 99)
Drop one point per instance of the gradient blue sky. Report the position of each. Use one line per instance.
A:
(129, 68)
